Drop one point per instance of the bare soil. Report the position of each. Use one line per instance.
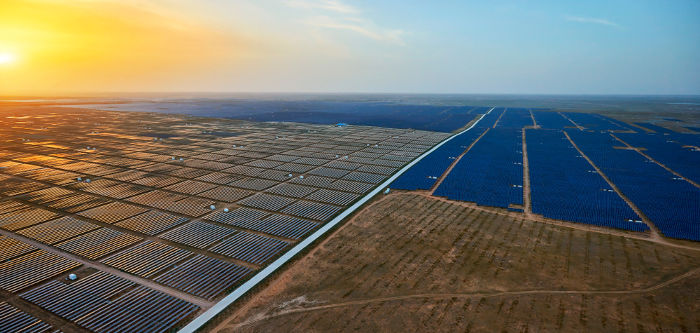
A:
(410, 262)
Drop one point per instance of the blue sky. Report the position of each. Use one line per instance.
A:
(529, 47)
(644, 47)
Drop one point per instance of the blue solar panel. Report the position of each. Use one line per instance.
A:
(685, 139)
(551, 120)
(490, 119)
(655, 128)
(491, 174)
(671, 203)
(424, 174)
(564, 186)
(621, 124)
(515, 118)
(665, 150)
(596, 122)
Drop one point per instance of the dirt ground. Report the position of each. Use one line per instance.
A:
(400, 266)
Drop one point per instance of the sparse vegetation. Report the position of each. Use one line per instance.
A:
(399, 265)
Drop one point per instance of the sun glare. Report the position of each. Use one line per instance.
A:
(7, 58)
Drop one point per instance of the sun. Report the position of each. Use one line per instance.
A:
(7, 58)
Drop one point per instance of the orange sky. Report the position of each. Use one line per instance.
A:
(74, 45)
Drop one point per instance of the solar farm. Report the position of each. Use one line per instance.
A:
(157, 228)
(568, 166)
(148, 222)
(531, 220)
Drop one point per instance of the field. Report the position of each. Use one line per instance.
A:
(399, 266)
(160, 216)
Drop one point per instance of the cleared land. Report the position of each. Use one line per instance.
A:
(398, 265)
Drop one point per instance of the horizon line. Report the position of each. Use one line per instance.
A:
(112, 93)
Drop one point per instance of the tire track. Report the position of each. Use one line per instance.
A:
(442, 296)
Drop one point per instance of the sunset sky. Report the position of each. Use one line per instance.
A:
(88, 46)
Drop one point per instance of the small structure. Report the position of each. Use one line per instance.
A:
(72, 277)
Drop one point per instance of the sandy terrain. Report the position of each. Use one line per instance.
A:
(399, 266)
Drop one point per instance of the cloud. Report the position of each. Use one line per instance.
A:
(330, 5)
(592, 20)
(337, 15)
(359, 26)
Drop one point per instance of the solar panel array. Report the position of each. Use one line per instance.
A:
(75, 300)
(13, 319)
(670, 202)
(196, 213)
(31, 268)
(595, 122)
(681, 158)
(655, 128)
(424, 174)
(139, 310)
(204, 276)
(12, 248)
(564, 186)
(551, 120)
(491, 174)
(250, 247)
(515, 118)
